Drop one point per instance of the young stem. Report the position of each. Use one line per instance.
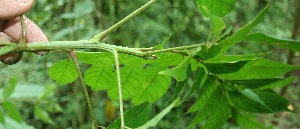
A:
(85, 44)
(85, 91)
(115, 53)
(23, 37)
(103, 34)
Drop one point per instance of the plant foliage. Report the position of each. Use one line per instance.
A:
(228, 87)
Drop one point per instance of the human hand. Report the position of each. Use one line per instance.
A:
(11, 30)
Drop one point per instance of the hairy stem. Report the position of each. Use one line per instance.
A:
(115, 53)
(103, 34)
(85, 44)
(23, 38)
(85, 91)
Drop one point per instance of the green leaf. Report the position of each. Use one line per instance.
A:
(162, 44)
(256, 69)
(254, 97)
(134, 117)
(235, 58)
(180, 72)
(241, 33)
(225, 68)
(248, 121)
(43, 115)
(270, 99)
(12, 111)
(262, 84)
(63, 72)
(215, 112)
(96, 58)
(209, 52)
(48, 90)
(208, 92)
(132, 79)
(2, 118)
(107, 59)
(200, 78)
(179, 87)
(140, 79)
(100, 77)
(153, 87)
(8, 90)
(218, 8)
(157, 118)
(219, 115)
(282, 43)
(12, 124)
(217, 24)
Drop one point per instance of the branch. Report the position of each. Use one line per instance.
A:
(146, 53)
(103, 34)
(85, 91)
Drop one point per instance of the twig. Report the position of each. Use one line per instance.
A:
(85, 91)
(103, 34)
(115, 53)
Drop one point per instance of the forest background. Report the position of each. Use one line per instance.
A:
(76, 20)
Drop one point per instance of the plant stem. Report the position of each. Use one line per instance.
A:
(24, 35)
(85, 91)
(115, 53)
(85, 44)
(103, 34)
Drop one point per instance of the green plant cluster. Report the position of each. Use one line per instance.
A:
(212, 86)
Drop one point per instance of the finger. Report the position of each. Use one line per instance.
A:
(12, 27)
(14, 8)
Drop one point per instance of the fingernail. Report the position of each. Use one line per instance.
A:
(23, 1)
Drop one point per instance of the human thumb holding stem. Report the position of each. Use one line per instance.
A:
(11, 30)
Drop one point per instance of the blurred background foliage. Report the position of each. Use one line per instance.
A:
(40, 103)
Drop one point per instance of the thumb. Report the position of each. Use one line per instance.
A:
(14, 8)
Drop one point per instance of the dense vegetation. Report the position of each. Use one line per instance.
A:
(208, 88)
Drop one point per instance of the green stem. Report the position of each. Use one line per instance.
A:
(103, 34)
(85, 44)
(23, 37)
(115, 53)
(85, 91)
